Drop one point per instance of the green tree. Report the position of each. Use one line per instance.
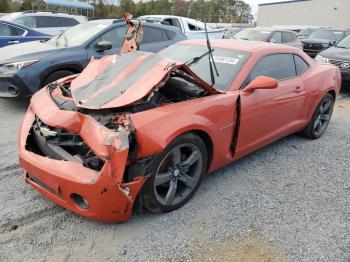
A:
(102, 10)
(5, 6)
(26, 5)
(127, 6)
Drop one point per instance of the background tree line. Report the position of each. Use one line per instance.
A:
(225, 11)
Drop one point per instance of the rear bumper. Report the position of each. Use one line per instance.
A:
(108, 199)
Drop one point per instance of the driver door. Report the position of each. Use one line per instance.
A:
(114, 35)
(267, 115)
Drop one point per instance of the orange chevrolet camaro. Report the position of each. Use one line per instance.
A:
(150, 126)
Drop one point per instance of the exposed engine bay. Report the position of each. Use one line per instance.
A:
(178, 87)
(63, 145)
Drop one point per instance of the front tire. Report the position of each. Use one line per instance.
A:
(56, 76)
(320, 119)
(176, 174)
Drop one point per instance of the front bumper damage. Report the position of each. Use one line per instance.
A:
(99, 195)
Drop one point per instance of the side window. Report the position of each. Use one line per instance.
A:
(28, 21)
(168, 21)
(287, 37)
(68, 22)
(170, 34)
(152, 35)
(276, 38)
(7, 30)
(300, 65)
(176, 23)
(279, 66)
(115, 36)
(48, 21)
(193, 27)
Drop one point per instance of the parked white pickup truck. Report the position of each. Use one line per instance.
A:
(193, 29)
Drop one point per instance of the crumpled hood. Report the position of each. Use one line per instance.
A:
(120, 80)
(27, 51)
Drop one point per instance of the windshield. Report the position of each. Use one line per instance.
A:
(327, 34)
(345, 43)
(253, 35)
(228, 62)
(305, 32)
(77, 35)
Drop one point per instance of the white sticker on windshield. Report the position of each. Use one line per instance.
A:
(226, 60)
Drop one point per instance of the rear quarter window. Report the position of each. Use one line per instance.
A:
(300, 65)
(28, 21)
(68, 22)
(278, 66)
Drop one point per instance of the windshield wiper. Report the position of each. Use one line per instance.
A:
(211, 58)
(58, 37)
(196, 59)
(339, 46)
(66, 41)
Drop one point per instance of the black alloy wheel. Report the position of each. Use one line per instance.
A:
(176, 175)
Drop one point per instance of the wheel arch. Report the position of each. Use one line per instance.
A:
(333, 93)
(207, 140)
(74, 68)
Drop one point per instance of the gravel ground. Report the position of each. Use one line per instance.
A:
(287, 202)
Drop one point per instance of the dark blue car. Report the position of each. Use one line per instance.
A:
(11, 33)
(25, 68)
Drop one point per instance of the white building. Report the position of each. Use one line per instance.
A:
(333, 13)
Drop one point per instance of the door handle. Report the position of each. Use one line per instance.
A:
(13, 42)
(298, 89)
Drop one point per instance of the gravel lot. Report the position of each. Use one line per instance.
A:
(287, 202)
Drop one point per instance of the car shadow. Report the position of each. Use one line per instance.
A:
(15, 105)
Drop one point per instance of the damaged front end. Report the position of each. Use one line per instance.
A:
(77, 143)
(77, 162)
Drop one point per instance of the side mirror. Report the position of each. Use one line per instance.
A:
(103, 46)
(333, 43)
(273, 41)
(261, 82)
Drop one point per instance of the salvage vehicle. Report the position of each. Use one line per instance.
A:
(270, 35)
(11, 34)
(193, 29)
(338, 55)
(322, 39)
(25, 68)
(148, 127)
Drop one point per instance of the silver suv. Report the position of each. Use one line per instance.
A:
(51, 23)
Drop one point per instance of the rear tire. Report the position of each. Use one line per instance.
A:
(320, 119)
(56, 76)
(176, 174)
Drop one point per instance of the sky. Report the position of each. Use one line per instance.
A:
(254, 3)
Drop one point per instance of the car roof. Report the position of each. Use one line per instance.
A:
(14, 15)
(121, 22)
(332, 29)
(240, 45)
(269, 29)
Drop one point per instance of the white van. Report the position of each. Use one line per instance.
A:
(47, 22)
